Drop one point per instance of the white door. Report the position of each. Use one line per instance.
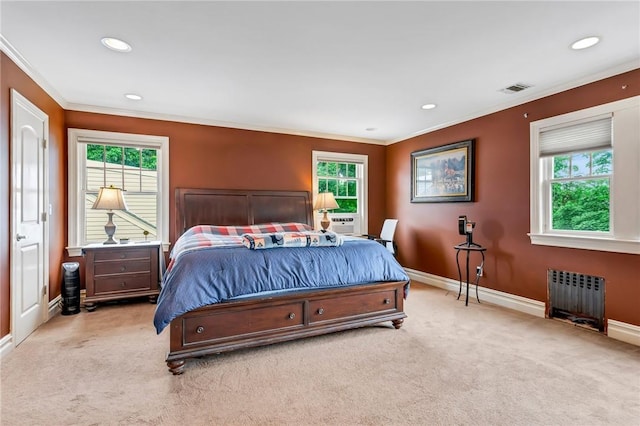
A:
(28, 255)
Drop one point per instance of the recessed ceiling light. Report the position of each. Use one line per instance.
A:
(428, 106)
(585, 42)
(133, 96)
(116, 44)
(371, 129)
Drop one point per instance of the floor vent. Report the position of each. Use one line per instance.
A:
(577, 298)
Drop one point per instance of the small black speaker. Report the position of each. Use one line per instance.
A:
(462, 225)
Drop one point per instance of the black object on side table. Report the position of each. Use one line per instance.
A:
(469, 247)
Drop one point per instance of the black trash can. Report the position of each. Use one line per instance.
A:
(70, 288)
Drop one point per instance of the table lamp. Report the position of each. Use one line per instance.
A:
(110, 198)
(325, 201)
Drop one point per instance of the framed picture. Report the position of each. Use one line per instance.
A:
(443, 174)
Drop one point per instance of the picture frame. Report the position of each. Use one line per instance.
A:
(444, 173)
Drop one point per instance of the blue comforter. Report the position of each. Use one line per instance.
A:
(216, 274)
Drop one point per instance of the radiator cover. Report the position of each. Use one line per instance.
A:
(577, 297)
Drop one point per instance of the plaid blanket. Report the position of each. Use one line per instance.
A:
(291, 239)
(203, 236)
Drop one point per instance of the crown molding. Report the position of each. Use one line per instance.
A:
(27, 68)
(217, 123)
(24, 65)
(610, 72)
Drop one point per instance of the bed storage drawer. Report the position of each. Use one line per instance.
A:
(254, 322)
(212, 326)
(351, 306)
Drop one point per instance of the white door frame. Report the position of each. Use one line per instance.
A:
(17, 98)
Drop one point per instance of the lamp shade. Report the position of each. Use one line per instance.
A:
(325, 201)
(110, 198)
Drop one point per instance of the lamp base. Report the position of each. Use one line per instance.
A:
(110, 229)
(325, 222)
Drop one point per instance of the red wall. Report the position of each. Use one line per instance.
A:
(207, 156)
(14, 78)
(217, 157)
(200, 156)
(427, 232)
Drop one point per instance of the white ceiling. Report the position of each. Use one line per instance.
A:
(316, 68)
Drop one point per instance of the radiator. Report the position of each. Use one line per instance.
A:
(577, 297)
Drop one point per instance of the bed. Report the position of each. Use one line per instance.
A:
(262, 318)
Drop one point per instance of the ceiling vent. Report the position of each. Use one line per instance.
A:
(515, 88)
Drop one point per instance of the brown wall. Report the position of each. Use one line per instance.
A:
(217, 157)
(427, 232)
(13, 78)
(207, 156)
(200, 156)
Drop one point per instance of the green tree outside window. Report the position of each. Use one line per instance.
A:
(581, 191)
(341, 180)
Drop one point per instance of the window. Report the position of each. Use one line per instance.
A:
(136, 163)
(342, 181)
(134, 170)
(584, 178)
(345, 176)
(581, 191)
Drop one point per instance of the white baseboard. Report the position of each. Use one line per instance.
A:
(622, 331)
(54, 307)
(511, 301)
(615, 329)
(6, 345)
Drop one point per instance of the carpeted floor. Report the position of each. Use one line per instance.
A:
(448, 365)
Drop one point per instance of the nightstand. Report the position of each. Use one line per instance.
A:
(121, 271)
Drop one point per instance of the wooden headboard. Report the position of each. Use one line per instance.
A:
(231, 207)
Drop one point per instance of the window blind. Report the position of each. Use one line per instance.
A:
(589, 135)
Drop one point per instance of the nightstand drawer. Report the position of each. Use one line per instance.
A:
(121, 271)
(122, 283)
(122, 254)
(130, 266)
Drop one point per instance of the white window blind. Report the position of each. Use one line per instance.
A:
(585, 136)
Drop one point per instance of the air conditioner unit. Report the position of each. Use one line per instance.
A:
(343, 225)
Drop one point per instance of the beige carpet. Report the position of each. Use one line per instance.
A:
(448, 365)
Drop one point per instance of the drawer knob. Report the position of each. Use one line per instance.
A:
(123, 284)
(320, 311)
(123, 268)
(123, 256)
(292, 315)
(387, 301)
(200, 329)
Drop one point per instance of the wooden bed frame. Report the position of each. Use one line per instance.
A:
(262, 321)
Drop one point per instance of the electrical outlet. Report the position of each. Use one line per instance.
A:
(479, 271)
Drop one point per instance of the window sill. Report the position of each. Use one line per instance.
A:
(77, 251)
(586, 243)
(74, 251)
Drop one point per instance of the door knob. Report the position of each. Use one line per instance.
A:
(20, 237)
